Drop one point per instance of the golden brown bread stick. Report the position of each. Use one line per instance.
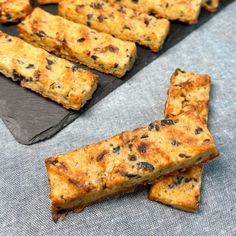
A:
(46, 74)
(182, 189)
(122, 22)
(78, 43)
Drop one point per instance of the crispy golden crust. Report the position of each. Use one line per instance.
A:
(48, 75)
(117, 20)
(14, 10)
(182, 10)
(188, 92)
(180, 189)
(43, 2)
(119, 164)
(78, 43)
(210, 5)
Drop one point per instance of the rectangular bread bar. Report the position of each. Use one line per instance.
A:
(46, 74)
(78, 43)
(182, 10)
(182, 189)
(119, 164)
(14, 10)
(210, 5)
(143, 5)
(122, 22)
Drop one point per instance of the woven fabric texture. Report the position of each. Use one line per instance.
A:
(24, 202)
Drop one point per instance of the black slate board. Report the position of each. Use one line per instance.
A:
(32, 118)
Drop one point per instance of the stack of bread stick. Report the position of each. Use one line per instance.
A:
(168, 154)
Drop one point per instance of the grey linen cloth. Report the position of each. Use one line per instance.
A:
(24, 202)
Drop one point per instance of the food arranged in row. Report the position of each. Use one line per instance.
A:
(115, 19)
(78, 43)
(100, 34)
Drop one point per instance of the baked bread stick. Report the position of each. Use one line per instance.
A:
(43, 73)
(182, 189)
(122, 22)
(119, 164)
(14, 10)
(210, 5)
(182, 10)
(144, 6)
(78, 43)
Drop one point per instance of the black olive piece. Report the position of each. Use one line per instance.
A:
(9, 17)
(144, 136)
(81, 40)
(112, 48)
(175, 143)
(184, 155)
(126, 174)
(37, 75)
(54, 162)
(126, 27)
(20, 62)
(121, 9)
(177, 181)
(116, 150)
(151, 126)
(49, 63)
(130, 145)
(41, 34)
(96, 5)
(29, 66)
(142, 147)
(146, 22)
(94, 57)
(101, 18)
(17, 77)
(101, 156)
(167, 122)
(75, 68)
(132, 158)
(198, 130)
(187, 180)
(145, 166)
(89, 16)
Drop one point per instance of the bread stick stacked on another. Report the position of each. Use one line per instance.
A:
(119, 164)
(188, 92)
